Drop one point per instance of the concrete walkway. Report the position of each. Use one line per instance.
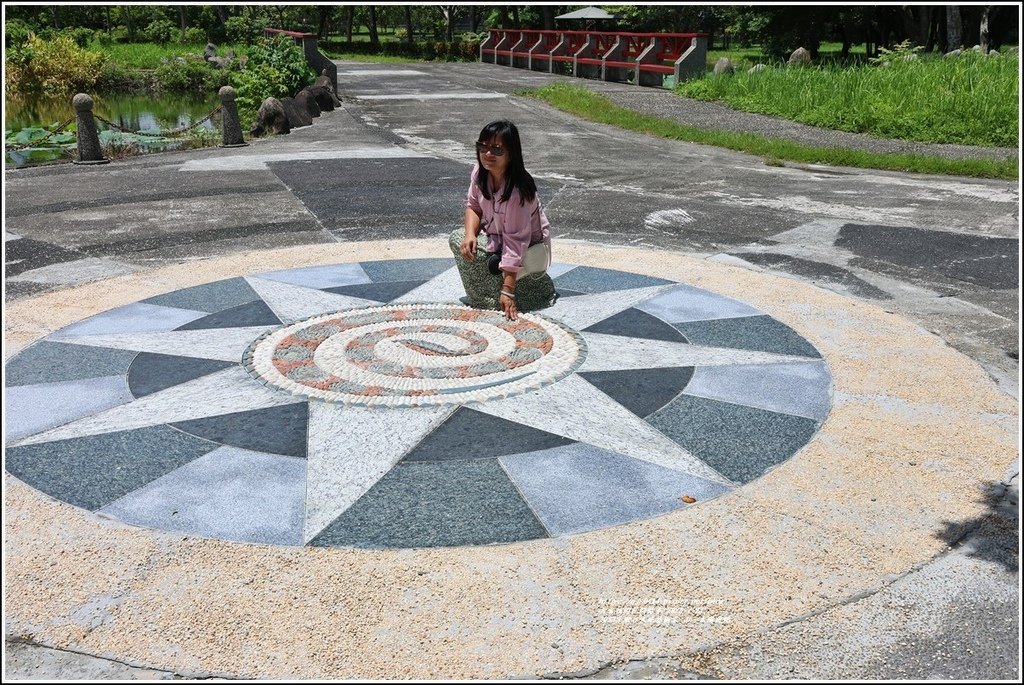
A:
(868, 548)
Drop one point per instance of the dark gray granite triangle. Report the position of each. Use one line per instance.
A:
(436, 505)
(151, 372)
(762, 333)
(209, 297)
(739, 442)
(93, 471)
(634, 323)
(469, 434)
(53, 362)
(642, 391)
(276, 430)
(591, 279)
(406, 269)
(251, 314)
(379, 292)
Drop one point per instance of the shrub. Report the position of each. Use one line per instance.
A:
(284, 55)
(57, 66)
(243, 29)
(117, 77)
(82, 36)
(253, 86)
(193, 36)
(160, 31)
(16, 33)
(189, 75)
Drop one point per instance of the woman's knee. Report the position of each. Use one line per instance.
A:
(456, 238)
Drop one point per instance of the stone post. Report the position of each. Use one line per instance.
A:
(89, 151)
(229, 119)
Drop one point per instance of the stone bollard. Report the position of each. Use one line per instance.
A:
(229, 117)
(89, 151)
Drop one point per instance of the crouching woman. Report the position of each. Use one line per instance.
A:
(506, 268)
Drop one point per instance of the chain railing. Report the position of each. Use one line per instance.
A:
(34, 143)
(163, 134)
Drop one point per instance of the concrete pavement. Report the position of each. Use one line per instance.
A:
(938, 253)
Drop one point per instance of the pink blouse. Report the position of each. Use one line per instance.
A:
(511, 227)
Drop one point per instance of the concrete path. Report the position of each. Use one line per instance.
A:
(841, 550)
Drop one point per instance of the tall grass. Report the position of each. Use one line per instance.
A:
(152, 55)
(970, 100)
(586, 104)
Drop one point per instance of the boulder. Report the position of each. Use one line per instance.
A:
(953, 53)
(298, 116)
(757, 69)
(270, 118)
(724, 66)
(800, 57)
(306, 99)
(210, 52)
(324, 81)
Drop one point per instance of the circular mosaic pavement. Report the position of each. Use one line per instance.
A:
(415, 355)
(359, 405)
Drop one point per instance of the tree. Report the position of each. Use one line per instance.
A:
(954, 28)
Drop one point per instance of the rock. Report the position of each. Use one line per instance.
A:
(976, 48)
(324, 81)
(210, 52)
(297, 116)
(724, 66)
(993, 53)
(800, 57)
(910, 58)
(242, 61)
(271, 118)
(953, 53)
(757, 69)
(306, 99)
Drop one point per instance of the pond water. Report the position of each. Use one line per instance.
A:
(134, 112)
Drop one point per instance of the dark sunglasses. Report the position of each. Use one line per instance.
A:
(493, 149)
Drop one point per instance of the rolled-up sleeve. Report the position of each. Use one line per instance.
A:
(473, 194)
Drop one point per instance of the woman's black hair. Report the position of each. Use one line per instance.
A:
(516, 175)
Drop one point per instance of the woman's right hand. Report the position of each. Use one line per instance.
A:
(468, 247)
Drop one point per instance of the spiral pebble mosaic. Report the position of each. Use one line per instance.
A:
(415, 355)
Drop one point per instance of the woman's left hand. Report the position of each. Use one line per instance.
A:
(508, 305)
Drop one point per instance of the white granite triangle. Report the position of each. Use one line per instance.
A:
(577, 410)
(683, 303)
(30, 409)
(581, 311)
(292, 303)
(619, 352)
(444, 287)
(224, 392)
(351, 448)
(223, 344)
(131, 318)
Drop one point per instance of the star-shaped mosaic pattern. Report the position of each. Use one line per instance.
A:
(160, 414)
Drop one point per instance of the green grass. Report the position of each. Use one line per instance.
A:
(971, 100)
(586, 104)
(381, 59)
(151, 55)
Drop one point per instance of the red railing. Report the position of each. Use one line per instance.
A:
(646, 56)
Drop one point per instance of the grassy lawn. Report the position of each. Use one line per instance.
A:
(151, 55)
(970, 100)
(586, 104)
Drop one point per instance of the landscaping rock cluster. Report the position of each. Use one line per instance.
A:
(281, 116)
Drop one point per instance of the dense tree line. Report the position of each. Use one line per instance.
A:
(778, 29)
